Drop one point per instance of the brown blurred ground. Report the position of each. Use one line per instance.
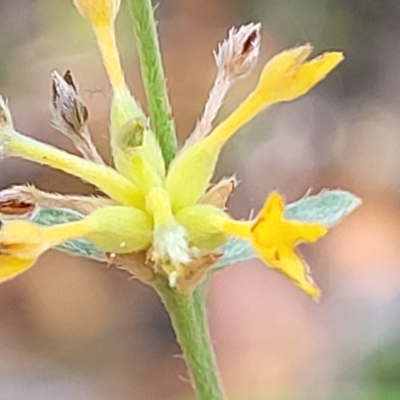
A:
(73, 329)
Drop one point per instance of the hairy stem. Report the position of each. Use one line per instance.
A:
(153, 77)
(189, 320)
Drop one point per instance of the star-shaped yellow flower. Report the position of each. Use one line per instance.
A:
(166, 214)
(275, 239)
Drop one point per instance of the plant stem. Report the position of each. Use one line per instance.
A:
(188, 317)
(187, 312)
(153, 76)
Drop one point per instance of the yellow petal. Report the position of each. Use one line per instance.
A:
(287, 76)
(22, 242)
(273, 208)
(286, 261)
(98, 12)
(298, 232)
(271, 228)
(22, 239)
(11, 266)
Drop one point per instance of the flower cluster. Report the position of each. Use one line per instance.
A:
(160, 219)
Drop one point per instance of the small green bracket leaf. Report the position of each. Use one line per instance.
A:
(328, 207)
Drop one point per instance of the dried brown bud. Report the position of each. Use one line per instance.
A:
(69, 113)
(5, 115)
(12, 204)
(238, 54)
(236, 57)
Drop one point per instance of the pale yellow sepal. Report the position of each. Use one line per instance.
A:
(202, 223)
(98, 12)
(119, 229)
(136, 152)
(192, 170)
(275, 239)
(286, 77)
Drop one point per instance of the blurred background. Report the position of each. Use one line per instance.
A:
(74, 329)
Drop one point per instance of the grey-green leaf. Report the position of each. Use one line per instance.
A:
(328, 207)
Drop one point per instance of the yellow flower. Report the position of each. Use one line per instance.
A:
(170, 218)
(275, 239)
(98, 12)
(22, 242)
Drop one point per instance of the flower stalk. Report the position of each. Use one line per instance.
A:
(153, 77)
(189, 320)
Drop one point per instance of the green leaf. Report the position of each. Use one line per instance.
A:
(79, 247)
(328, 207)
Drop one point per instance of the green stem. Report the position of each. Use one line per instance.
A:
(153, 77)
(188, 317)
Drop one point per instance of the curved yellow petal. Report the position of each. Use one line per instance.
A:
(11, 266)
(288, 75)
(98, 12)
(286, 261)
(22, 242)
(273, 208)
(298, 232)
